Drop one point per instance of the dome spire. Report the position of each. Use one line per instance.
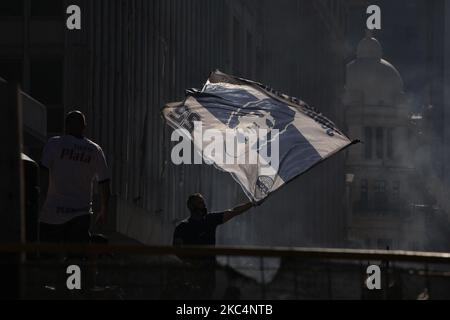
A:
(369, 33)
(369, 47)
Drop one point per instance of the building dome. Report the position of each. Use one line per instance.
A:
(372, 80)
(369, 47)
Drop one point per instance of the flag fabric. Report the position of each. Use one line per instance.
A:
(298, 136)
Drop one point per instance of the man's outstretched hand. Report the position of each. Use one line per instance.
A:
(230, 214)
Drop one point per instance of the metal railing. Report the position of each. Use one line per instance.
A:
(142, 272)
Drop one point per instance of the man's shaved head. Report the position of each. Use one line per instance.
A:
(197, 206)
(75, 123)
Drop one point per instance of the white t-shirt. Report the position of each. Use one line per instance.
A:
(74, 164)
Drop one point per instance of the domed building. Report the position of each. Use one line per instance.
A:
(382, 185)
(368, 72)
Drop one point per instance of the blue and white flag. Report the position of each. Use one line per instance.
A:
(263, 138)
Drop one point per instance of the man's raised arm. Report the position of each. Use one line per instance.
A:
(230, 214)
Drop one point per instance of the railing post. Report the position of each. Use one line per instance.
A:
(386, 293)
(329, 286)
(296, 279)
(263, 281)
(427, 280)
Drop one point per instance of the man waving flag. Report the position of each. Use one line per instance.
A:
(263, 138)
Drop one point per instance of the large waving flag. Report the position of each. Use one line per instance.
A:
(263, 138)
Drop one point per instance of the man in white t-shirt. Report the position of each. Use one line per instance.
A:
(73, 163)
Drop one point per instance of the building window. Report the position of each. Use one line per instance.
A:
(395, 205)
(384, 244)
(380, 196)
(396, 191)
(390, 143)
(10, 8)
(414, 246)
(368, 143)
(46, 8)
(364, 200)
(379, 137)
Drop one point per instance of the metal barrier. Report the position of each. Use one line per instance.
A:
(141, 272)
